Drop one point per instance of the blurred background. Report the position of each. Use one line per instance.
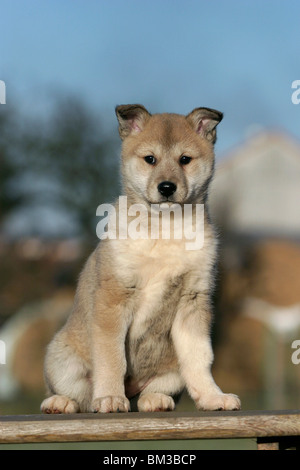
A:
(66, 65)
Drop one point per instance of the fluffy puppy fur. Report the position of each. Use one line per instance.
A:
(141, 319)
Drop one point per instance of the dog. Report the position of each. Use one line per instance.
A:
(141, 320)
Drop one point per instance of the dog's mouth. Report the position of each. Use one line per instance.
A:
(165, 199)
(168, 201)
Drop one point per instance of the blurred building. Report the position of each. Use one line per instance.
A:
(256, 190)
(255, 205)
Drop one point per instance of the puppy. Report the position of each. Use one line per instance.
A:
(141, 319)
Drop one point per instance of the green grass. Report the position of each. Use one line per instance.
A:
(204, 444)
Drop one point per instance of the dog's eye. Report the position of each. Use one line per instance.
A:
(184, 160)
(150, 159)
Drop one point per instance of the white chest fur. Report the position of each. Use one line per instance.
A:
(150, 266)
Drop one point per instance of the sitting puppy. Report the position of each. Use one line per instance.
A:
(142, 311)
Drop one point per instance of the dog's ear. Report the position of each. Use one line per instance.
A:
(205, 121)
(132, 118)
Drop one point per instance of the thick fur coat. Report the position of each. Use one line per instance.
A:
(141, 320)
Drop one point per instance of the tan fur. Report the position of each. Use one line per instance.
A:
(142, 311)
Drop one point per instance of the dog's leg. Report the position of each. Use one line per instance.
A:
(109, 369)
(191, 336)
(110, 326)
(67, 377)
(157, 396)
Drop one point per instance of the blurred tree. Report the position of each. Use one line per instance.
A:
(64, 161)
(9, 168)
(79, 159)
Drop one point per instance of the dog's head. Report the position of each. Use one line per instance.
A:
(167, 157)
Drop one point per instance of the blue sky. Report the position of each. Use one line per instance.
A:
(238, 56)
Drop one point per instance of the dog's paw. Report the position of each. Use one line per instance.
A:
(59, 404)
(155, 402)
(110, 404)
(219, 401)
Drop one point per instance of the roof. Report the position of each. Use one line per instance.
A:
(258, 142)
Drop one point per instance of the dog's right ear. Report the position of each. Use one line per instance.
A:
(132, 119)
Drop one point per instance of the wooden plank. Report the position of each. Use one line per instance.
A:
(148, 426)
(267, 445)
(278, 443)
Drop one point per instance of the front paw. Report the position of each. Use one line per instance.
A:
(110, 404)
(219, 401)
(155, 402)
(59, 404)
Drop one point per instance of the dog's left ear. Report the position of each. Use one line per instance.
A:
(132, 119)
(205, 121)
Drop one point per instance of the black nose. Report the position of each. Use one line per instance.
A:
(167, 188)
